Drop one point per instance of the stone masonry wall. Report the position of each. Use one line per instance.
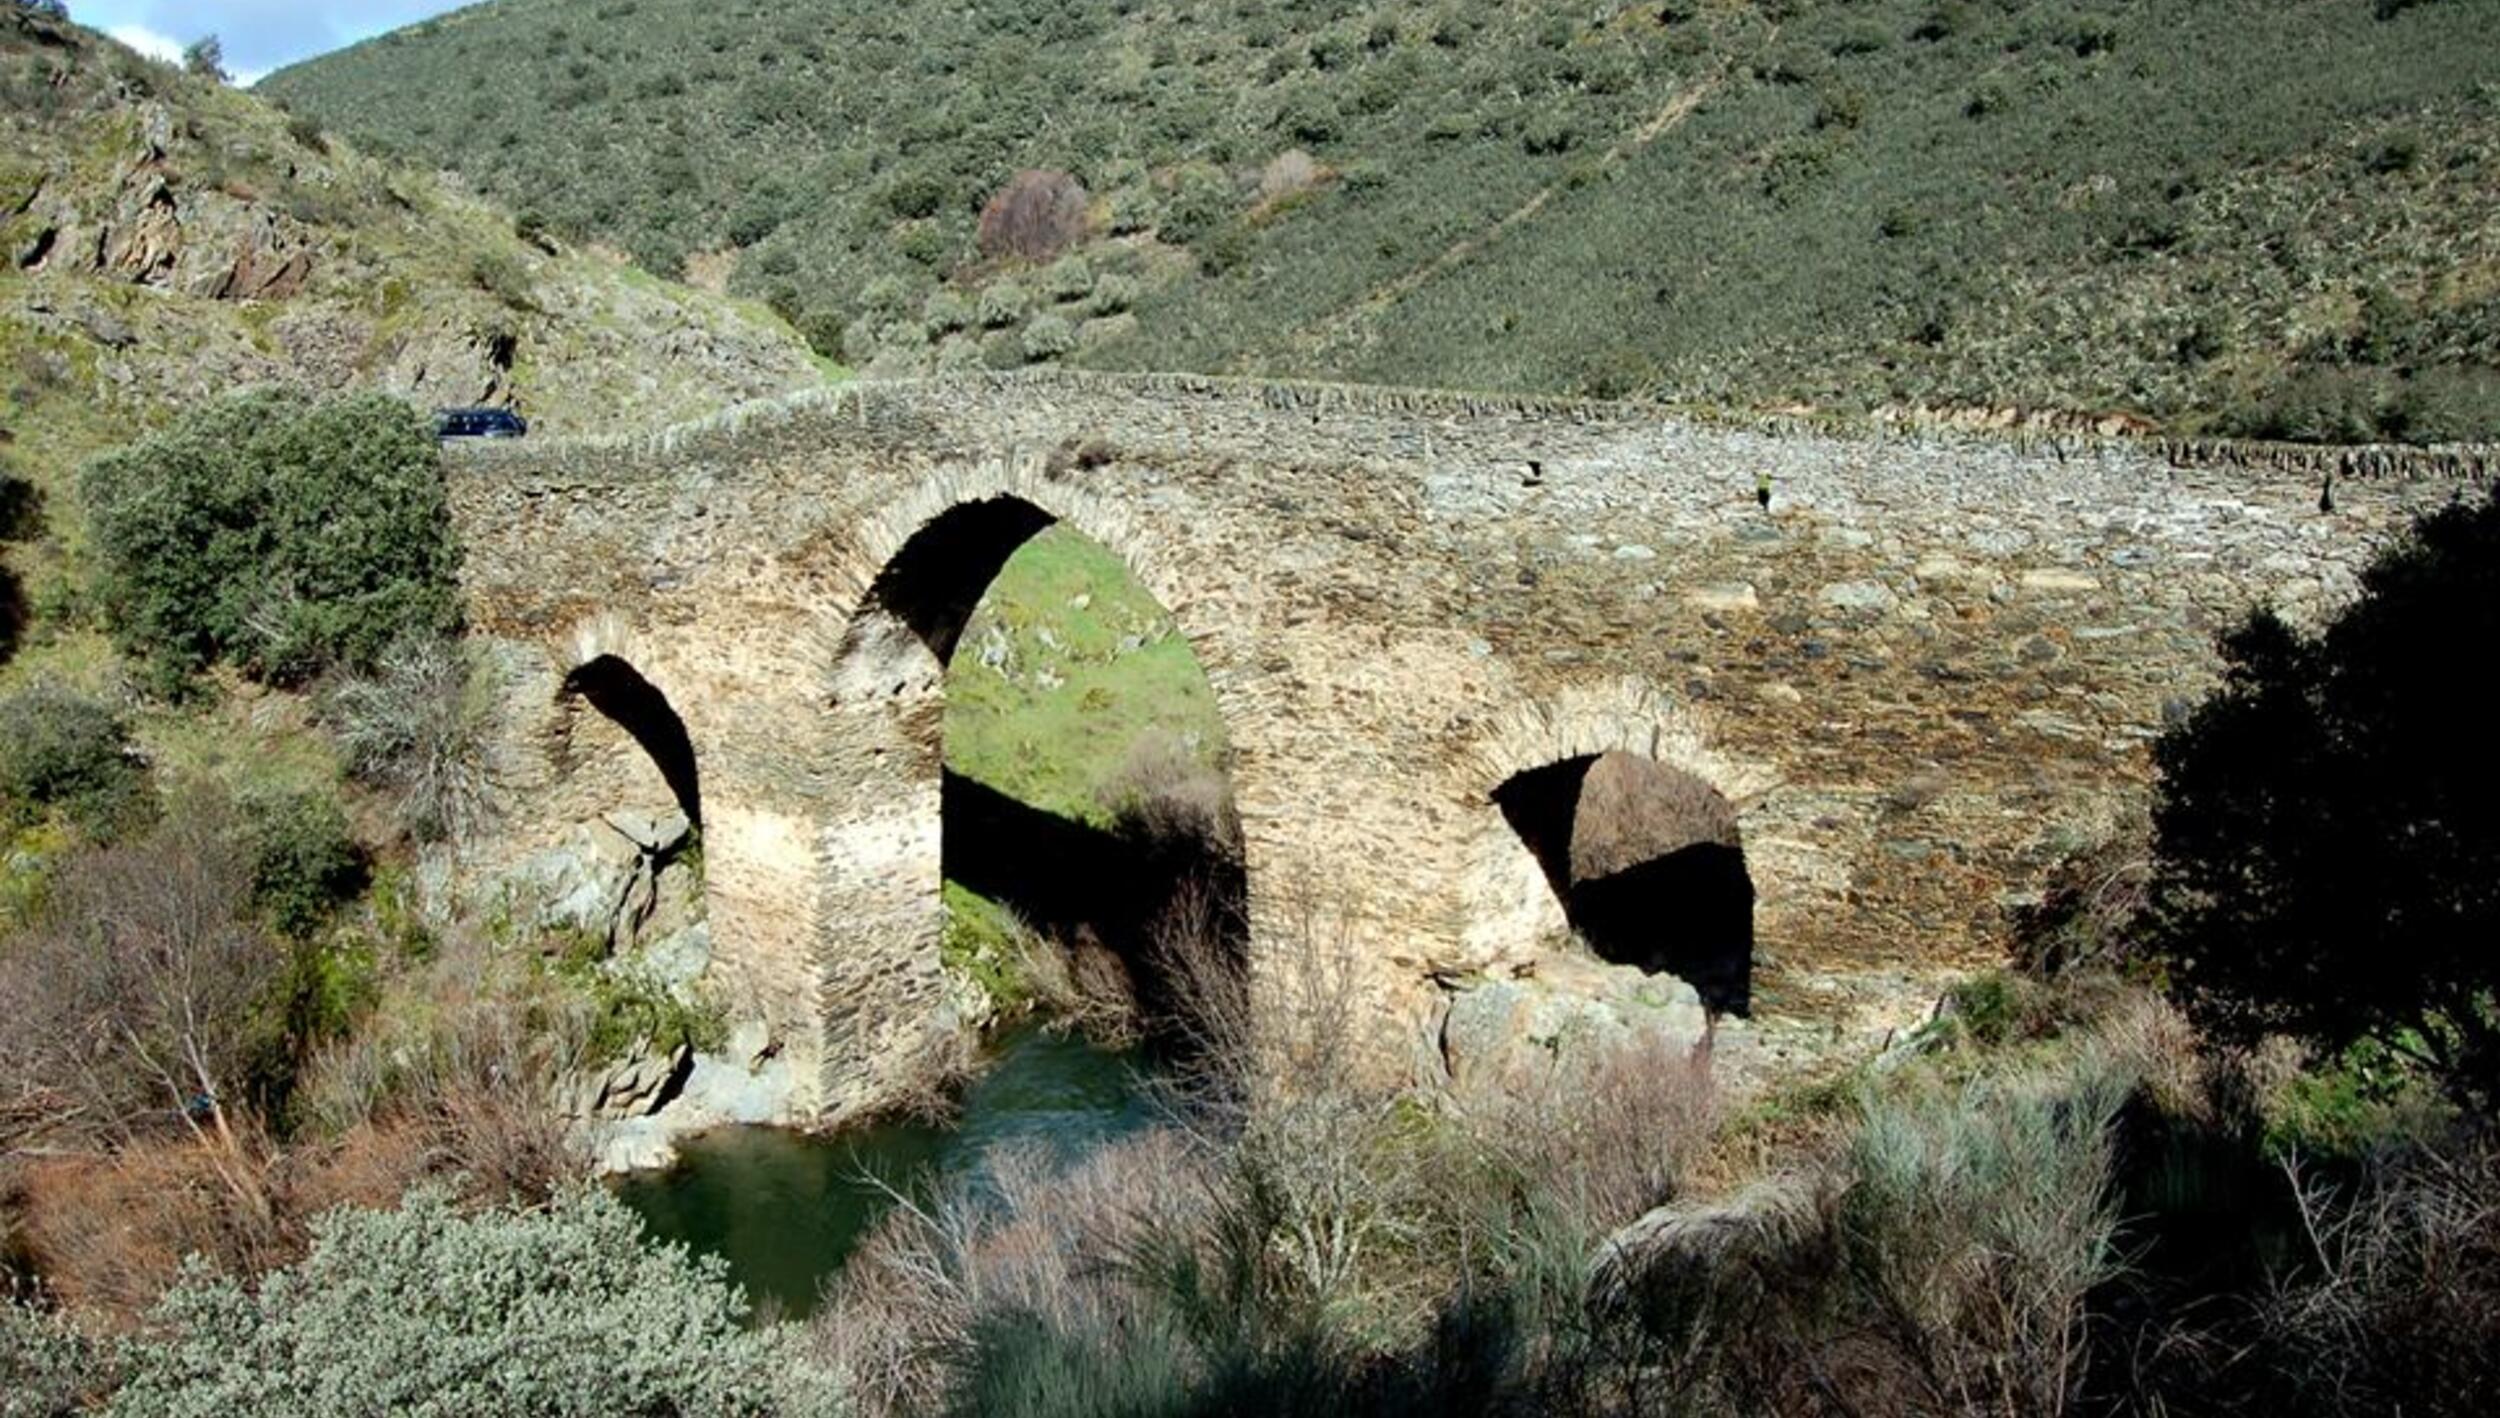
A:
(1927, 673)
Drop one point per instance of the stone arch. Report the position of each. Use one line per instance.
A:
(913, 575)
(603, 664)
(1662, 884)
(611, 685)
(1648, 864)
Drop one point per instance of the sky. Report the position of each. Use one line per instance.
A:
(258, 35)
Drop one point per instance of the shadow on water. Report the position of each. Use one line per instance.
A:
(1070, 880)
(786, 1209)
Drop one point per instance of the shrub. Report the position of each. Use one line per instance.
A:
(64, 751)
(303, 861)
(1037, 215)
(914, 196)
(48, 1367)
(1049, 336)
(1113, 293)
(205, 57)
(425, 1308)
(1069, 278)
(150, 937)
(505, 277)
(421, 723)
(1002, 304)
(285, 535)
(2324, 839)
(2401, 1308)
(945, 311)
(1201, 200)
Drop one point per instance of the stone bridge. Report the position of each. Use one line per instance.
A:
(1925, 674)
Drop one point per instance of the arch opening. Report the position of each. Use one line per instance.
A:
(1071, 737)
(619, 692)
(935, 581)
(1648, 864)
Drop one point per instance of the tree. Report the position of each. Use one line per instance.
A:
(206, 57)
(62, 751)
(1037, 215)
(2327, 834)
(132, 996)
(286, 535)
(426, 1309)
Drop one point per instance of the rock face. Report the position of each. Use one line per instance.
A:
(604, 878)
(1512, 1034)
(647, 1079)
(1395, 623)
(748, 1081)
(201, 241)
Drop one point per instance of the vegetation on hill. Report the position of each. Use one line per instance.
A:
(165, 239)
(2239, 215)
(1066, 667)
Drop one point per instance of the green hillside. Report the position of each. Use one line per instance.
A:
(168, 240)
(2256, 216)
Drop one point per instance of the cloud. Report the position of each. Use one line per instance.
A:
(262, 34)
(157, 45)
(148, 42)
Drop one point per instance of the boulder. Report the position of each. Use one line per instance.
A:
(1511, 1034)
(645, 1081)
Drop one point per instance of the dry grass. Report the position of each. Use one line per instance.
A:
(2400, 1309)
(1029, 1240)
(422, 726)
(109, 1231)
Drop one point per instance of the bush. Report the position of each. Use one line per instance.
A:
(1049, 336)
(1980, 1222)
(1113, 293)
(505, 277)
(2326, 834)
(427, 1309)
(1037, 215)
(1201, 201)
(285, 535)
(304, 863)
(60, 750)
(1002, 304)
(150, 936)
(48, 1367)
(945, 312)
(421, 724)
(1069, 278)
(914, 196)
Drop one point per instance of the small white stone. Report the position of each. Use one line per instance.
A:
(1872, 596)
(2058, 582)
(1725, 596)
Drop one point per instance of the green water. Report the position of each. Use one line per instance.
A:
(785, 1209)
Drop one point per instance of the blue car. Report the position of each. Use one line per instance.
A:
(479, 423)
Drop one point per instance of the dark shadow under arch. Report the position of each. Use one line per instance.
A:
(1684, 909)
(617, 690)
(1130, 885)
(933, 584)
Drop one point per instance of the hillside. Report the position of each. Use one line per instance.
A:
(2272, 217)
(168, 240)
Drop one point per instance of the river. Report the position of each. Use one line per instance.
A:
(785, 1209)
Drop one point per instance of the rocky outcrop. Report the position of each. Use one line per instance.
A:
(747, 1081)
(1684, 1253)
(646, 1080)
(609, 879)
(1510, 1035)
